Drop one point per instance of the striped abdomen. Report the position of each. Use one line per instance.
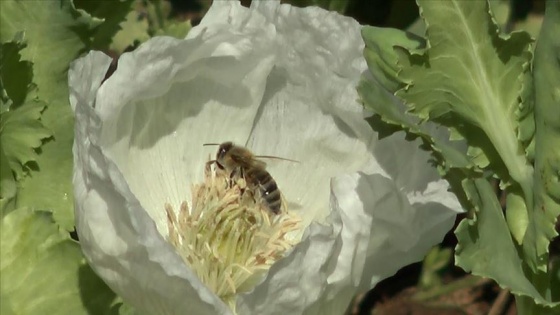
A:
(260, 179)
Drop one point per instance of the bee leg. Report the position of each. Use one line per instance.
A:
(208, 168)
(209, 163)
(232, 177)
(250, 184)
(218, 170)
(241, 174)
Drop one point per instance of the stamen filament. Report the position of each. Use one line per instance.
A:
(228, 236)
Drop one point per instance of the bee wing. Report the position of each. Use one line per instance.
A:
(259, 163)
(248, 161)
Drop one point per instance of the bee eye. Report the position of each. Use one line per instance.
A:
(222, 150)
(221, 153)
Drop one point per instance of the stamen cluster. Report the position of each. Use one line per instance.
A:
(227, 235)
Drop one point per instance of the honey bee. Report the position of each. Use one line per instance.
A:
(239, 160)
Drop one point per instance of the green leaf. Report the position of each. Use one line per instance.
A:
(531, 24)
(125, 309)
(443, 83)
(389, 118)
(134, 30)
(381, 57)
(436, 259)
(526, 305)
(517, 216)
(112, 13)
(20, 129)
(508, 18)
(526, 117)
(53, 31)
(177, 29)
(501, 10)
(20, 133)
(158, 15)
(376, 89)
(43, 270)
(8, 188)
(375, 92)
(339, 6)
(470, 77)
(547, 139)
(487, 249)
(18, 82)
(418, 27)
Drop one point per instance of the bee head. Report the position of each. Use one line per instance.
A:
(222, 152)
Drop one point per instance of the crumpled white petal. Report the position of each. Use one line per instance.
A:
(168, 98)
(280, 80)
(118, 237)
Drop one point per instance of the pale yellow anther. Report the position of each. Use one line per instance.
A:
(228, 236)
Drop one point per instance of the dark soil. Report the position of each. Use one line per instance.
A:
(459, 294)
(477, 298)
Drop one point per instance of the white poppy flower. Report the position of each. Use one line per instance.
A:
(171, 236)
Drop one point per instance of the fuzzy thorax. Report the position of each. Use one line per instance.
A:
(228, 236)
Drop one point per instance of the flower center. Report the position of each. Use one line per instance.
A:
(229, 237)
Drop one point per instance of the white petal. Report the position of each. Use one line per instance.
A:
(323, 272)
(118, 237)
(309, 111)
(374, 231)
(296, 282)
(402, 231)
(169, 97)
(381, 233)
(281, 80)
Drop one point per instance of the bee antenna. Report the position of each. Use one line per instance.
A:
(208, 144)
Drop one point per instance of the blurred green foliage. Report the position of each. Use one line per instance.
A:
(36, 127)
